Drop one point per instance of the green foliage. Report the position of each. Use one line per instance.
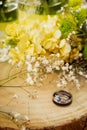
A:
(67, 25)
(84, 27)
(75, 3)
(50, 6)
(12, 42)
(81, 15)
(85, 50)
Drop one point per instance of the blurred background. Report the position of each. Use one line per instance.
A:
(11, 10)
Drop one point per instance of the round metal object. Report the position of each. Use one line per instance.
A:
(62, 98)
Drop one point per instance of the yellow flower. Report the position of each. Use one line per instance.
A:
(12, 29)
(1, 44)
(57, 34)
(30, 50)
(36, 35)
(48, 26)
(64, 47)
(38, 48)
(50, 44)
(16, 55)
(62, 43)
(24, 42)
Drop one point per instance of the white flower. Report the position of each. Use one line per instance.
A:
(80, 72)
(37, 64)
(49, 69)
(33, 59)
(19, 64)
(72, 78)
(85, 76)
(70, 67)
(57, 68)
(29, 67)
(71, 73)
(56, 65)
(63, 81)
(77, 83)
(4, 54)
(80, 54)
(29, 79)
(34, 69)
(28, 57)
(45, 61)
(58, 55)
(65, 68)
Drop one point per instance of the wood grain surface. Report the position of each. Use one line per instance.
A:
(36, 104)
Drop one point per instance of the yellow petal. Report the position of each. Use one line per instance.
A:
(62, 43)
(30, 50)
(57, 34)
(66, 49)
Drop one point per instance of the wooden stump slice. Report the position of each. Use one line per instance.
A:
(36, 104)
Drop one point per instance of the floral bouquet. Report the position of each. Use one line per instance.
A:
(53, 42)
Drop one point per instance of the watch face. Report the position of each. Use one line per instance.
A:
(62, 98)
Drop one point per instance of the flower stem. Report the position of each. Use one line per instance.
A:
(6, 80)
